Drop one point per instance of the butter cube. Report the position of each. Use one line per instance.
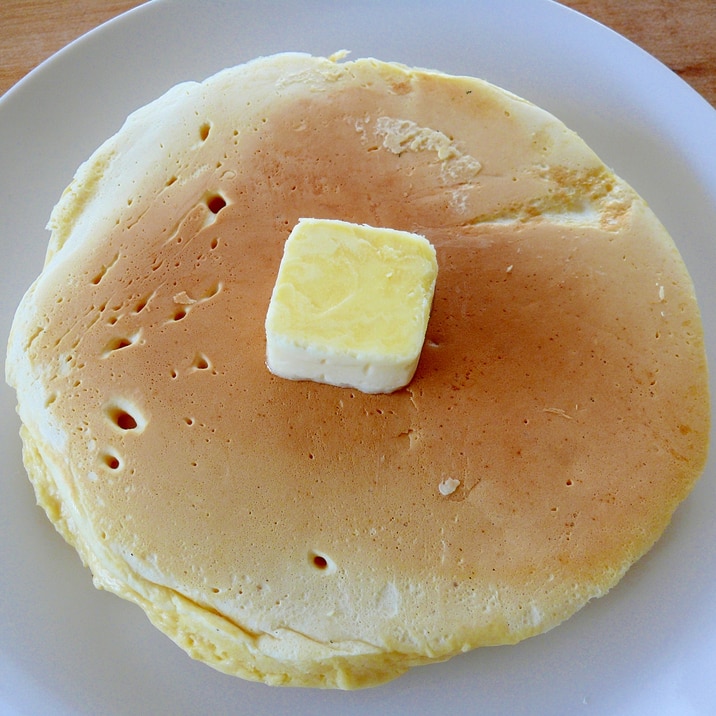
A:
(351, 305)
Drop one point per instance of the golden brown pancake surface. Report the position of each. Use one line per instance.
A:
(304, 534)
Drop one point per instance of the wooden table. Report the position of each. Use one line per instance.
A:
(681, 33)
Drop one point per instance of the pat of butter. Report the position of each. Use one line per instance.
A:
(351, 305)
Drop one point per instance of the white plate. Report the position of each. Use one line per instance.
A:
(649, 647)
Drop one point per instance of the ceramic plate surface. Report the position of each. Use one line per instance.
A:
(648, 647)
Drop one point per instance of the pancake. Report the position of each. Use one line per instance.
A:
(304, 534)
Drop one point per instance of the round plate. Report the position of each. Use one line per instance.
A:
(647, 647)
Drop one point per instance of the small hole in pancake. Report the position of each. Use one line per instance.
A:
(120, 342)
(111, 461)
(141, 304)
(216, 203)
(320, 562)
(117, 344)
(123, 414)
(179, 314)
(99, 276)
(124, 420)
(201, 362)
(212, 291)
(204, 131)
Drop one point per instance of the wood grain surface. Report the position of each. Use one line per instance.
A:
(680, 33)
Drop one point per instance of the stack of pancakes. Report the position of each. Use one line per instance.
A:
(304, 534)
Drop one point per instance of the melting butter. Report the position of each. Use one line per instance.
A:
(351, 305)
